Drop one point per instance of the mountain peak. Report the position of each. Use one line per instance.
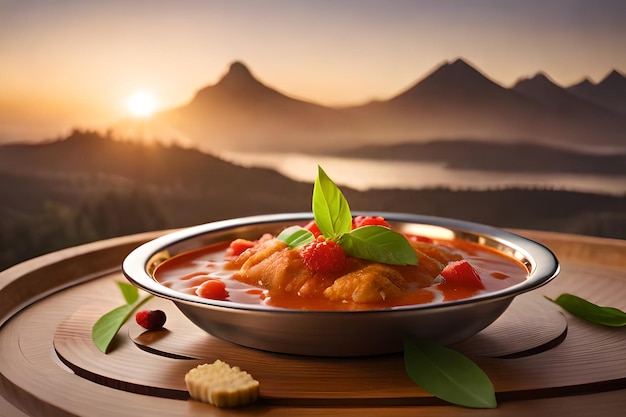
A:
(613, 78)
(237, 72)
(238, 67)
(459, 63)
(237, 81)
(450, 79)
(458, 69)
(543, 89)
(543, 77)
(586, 82)
(540, 79)
(582, 88)
(459, 73)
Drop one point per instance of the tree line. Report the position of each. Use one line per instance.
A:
(60, 226)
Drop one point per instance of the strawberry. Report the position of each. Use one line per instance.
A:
(360, 221)
(323, 256)
(150, 319)
(214, 289)
(461, 273)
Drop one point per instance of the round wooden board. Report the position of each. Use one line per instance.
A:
(47, 306)
(161, 358)
(531, 324)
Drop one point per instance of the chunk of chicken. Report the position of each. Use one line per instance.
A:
(272, 265)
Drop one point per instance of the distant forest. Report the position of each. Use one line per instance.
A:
(88, 187)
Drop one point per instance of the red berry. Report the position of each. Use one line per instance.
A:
(214, 289)
(360, 221)
(150, 319)
(323, 256)
(461, 273)
(312, 227)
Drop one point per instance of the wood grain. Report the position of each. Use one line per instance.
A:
(155, 365)
(50, 303)
(529, 324)
(333, 380)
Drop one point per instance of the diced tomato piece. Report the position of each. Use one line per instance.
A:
(238, 246)
(214, 289)
(360, 221)
(312, 227)
(461, 273)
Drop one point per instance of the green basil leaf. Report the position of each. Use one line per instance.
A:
(378, 244)
(330, 208)
(129, 291)
(107, 326)
(295, 236)
(447, 374)
(579, 307)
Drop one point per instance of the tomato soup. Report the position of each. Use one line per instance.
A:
(295, 288)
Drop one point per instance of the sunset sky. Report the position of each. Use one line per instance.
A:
(76, 63)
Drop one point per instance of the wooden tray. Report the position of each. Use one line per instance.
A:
(547, 361)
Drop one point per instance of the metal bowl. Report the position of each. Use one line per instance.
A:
(342, 333)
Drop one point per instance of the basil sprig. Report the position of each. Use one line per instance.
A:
(330, 208)
(334, 219)
(581, 308)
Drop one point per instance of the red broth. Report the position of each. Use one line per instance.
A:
(186, 271)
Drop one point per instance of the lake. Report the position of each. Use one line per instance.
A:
(363, 174)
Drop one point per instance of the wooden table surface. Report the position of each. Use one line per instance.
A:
(548, 363)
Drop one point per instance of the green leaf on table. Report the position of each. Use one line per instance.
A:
(295, 236)
(579, 307)
(107, 326)
(129, 291)
(330, 208)
(378, 244)
(447, 374)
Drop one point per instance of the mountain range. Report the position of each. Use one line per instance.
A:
(453, 102)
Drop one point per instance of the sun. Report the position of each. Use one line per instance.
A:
(141, 104)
